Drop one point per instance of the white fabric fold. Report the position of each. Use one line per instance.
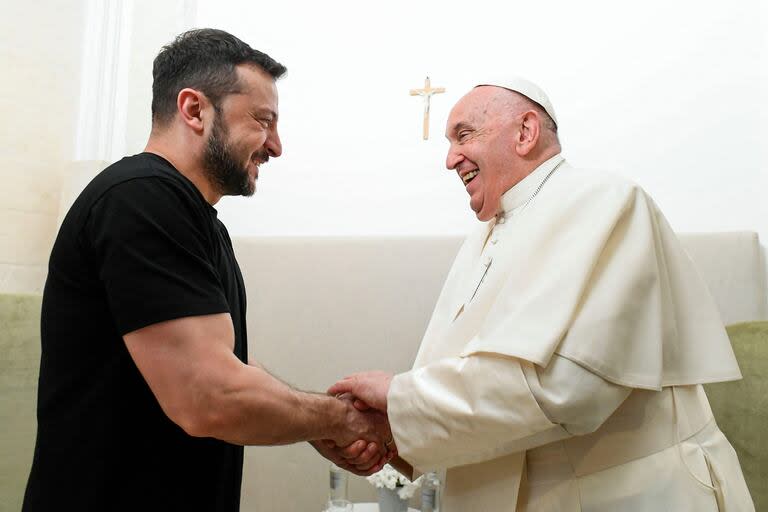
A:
(572, 396)
(460, 411)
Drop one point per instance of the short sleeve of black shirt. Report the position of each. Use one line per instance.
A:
(152, 243)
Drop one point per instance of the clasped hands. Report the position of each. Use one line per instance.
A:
(365, 443)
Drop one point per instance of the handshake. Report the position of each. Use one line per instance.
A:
(363, 441)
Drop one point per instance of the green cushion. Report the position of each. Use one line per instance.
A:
(19, 368)
(741, 407)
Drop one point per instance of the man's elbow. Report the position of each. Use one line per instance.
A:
(198, 420)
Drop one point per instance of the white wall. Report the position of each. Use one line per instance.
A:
(40, 47)
(76, 87)
(671, 94)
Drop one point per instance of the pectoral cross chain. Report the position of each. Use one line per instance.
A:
(487, 267)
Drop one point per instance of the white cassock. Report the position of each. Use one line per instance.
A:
(562, 367)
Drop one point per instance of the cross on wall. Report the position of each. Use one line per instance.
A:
(427, 93)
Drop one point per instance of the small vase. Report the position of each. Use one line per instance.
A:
(389, 501)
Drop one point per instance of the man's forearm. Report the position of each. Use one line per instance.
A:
(251, 407)
(204, 388)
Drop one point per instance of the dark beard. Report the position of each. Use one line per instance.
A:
(221, 166)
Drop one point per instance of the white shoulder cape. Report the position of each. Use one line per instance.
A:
(591, 270)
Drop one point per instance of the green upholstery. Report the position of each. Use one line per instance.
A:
(741, 407)
(19, 368)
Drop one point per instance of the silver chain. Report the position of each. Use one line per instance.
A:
(538, 189)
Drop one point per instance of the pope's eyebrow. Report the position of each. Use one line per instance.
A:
(456, 128)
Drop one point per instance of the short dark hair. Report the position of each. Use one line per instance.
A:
(202, 59)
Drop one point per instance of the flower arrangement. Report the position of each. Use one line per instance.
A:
(391, 479)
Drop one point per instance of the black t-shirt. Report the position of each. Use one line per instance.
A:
(139, 246)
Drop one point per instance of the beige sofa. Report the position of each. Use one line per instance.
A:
(320, 308)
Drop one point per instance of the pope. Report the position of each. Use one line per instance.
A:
(563, 364)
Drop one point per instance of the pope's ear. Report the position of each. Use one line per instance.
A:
(528, 135)
(190, 104)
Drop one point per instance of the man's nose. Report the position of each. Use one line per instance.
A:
(273, 144)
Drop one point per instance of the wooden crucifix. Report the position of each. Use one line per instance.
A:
(426, 93)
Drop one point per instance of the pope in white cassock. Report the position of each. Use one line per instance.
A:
(562, 367)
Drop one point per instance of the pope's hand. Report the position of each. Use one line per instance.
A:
(369, 387)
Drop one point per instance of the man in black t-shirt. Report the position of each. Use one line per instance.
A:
(146, 397)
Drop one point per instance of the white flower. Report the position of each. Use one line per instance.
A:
(392, 479)
(409, 489)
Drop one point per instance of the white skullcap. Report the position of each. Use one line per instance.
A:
(528, 89)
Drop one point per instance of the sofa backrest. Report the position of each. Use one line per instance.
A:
(733, 266)
(319, 309)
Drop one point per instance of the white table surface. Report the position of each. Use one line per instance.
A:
(373, 507)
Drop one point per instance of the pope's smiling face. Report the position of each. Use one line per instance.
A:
(483, 129)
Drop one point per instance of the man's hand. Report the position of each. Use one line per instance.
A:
(369, 387)
(367, 425)
(359, 445)
(361, 458)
